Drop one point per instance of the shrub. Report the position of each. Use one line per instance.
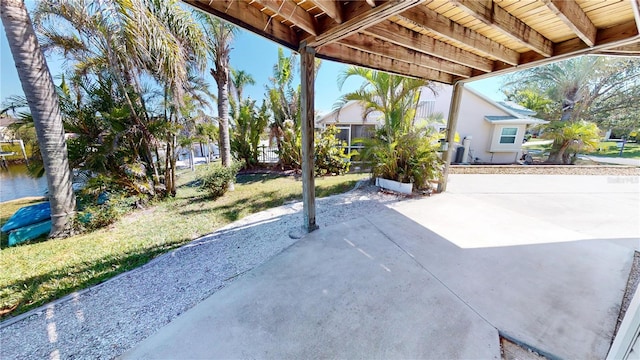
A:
(330, 153)
(250, 123)
(99, 211)
(412, 157)
(569, 138)
(290, 151)
(216, 179)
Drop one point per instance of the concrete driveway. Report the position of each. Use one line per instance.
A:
(542, 260)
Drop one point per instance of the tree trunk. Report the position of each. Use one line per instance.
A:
(222, 80)
(168, 169)
(558, 157)
(568, 104)
(40, 92)
(192, 162)
(208, 151)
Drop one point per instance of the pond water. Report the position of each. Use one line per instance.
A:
(16, 183)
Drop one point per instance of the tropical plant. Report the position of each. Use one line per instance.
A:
(399, 151)
(572, 137)
(284, 102)
(99, 211)
(207, 131)
(249, 123)
(393, 98)
(219, 35)
(116, 46)
(330, 153)
(411, 158)
(290, 152)
(40, 92)
(283, 98)
(240, 79)
(597, 89)
(533, 99)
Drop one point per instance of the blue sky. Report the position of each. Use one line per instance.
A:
(250, 53)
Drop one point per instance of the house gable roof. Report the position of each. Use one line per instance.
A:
(510, 120)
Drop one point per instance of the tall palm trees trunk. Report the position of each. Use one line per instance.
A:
(40, 92)
(557, 154)
(222, 79)
(221, 74)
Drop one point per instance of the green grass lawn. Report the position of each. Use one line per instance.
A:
(36, 273)
(605, 148)
(610, 149)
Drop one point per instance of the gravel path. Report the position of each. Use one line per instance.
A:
(106, 320)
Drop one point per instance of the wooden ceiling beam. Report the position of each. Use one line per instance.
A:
(635, 4)
(432, 21)
(575, 18)
(346, 54)
(402, 36)
(292, 12)
(384, 48)
(358, 15)
(621, 35)
(628, 49)
(499, 19)
(251, 18)
(332, 8)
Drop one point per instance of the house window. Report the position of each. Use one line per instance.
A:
(362, 131)
(508, 135)
(350, 133)
(343, 135)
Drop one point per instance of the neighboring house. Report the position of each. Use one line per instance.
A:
(494, 131)
(5, 133)
(352, 126)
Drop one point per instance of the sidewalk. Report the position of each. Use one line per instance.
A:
(612, 160)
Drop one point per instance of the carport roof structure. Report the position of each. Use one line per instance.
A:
(447, 41)
(441, 40)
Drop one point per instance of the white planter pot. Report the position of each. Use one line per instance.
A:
(394, 186)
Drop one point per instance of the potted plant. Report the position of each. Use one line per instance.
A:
(411, 161)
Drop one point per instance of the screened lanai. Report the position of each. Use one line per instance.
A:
(447, 41)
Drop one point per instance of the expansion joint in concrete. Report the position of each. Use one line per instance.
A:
(431, 273)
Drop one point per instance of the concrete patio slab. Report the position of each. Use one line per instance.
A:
(346, 291)
(554, 251)
(543, 260)
(561, 298)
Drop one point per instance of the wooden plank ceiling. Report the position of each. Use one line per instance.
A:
(441, 40)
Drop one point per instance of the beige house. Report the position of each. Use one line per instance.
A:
(493, 132)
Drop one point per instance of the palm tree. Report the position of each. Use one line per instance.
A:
(122, 41)
(532, 99)
(283, 99)
(394, 97)
(240, 79)
(40, 91)
(573, 137)
(568, 81)
(219, 35)
(399, 151)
